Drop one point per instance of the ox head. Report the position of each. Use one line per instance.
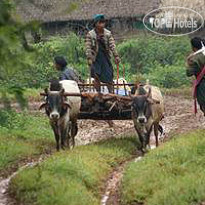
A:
(141, 107)
(55, 105)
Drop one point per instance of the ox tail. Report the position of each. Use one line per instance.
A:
(160, 129)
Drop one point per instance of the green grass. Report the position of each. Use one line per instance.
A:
(72, 177)
(23, 135)
(171, 175)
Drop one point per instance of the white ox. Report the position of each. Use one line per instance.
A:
(63, 111)
(147, 112)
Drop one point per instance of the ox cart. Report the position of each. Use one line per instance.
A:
(104, 106)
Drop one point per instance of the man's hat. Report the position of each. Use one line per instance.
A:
(99, 17)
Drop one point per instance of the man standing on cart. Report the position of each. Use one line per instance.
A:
(100, 45)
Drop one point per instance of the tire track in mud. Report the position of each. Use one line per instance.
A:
(5, 199)
(179, 118)
(112, 186)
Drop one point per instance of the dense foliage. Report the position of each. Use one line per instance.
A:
(162, 60)
(159, 59)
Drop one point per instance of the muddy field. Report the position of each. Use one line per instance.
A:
(179, 118)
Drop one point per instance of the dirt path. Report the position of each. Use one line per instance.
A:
(179, 118)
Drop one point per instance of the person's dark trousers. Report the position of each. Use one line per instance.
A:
(98, 87)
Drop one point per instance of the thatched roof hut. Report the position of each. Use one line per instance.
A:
(65, 10)
(59, 16)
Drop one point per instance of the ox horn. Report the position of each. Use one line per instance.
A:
(42, 106)
(149, 93)
(46, 92)
(62, 91)
(66, 104)
(150, 99)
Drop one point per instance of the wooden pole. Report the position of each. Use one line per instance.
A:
(125, 88)
(117, 77)
(124, 71)
(90, 78)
